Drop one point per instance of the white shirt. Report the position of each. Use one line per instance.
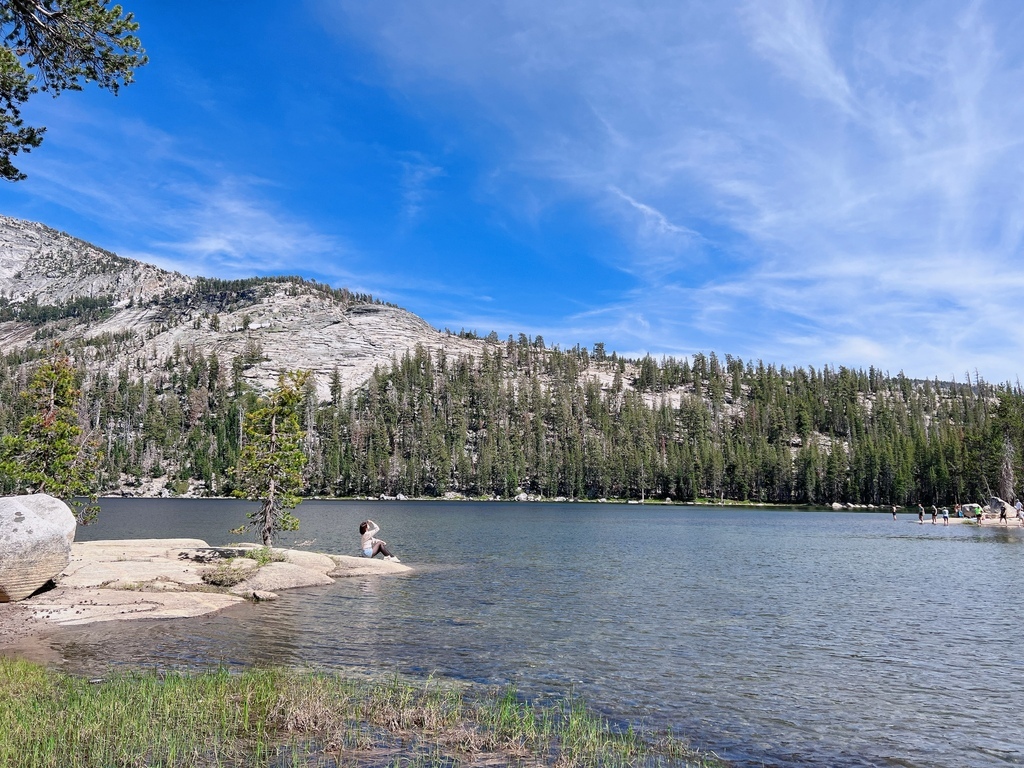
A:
(368, 536)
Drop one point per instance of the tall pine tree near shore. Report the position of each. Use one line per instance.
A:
(51, 453)
(271, 462)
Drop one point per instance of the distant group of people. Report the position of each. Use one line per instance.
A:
(935, 513)
(1019, 507)
(959, 511)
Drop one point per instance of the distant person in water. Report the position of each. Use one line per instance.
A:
(372, 545)
(920, 514)
(893, 511)
(1020, 511)
(945, 515)
(935, 512)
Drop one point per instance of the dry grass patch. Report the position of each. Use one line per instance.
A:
(278, 718)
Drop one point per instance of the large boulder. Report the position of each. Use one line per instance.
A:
(1000, 510)
(35, 543)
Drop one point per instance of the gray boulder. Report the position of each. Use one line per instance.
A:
(997, 507)
(35, 543)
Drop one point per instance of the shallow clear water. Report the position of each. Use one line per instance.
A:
(774, 637)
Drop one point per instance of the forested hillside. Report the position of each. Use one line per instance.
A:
(519, 417)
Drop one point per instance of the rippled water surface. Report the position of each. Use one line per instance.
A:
(776, 638)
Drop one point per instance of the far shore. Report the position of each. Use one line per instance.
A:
(538, 499)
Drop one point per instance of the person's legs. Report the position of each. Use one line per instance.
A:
(382, 548)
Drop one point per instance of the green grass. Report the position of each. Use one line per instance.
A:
(229, 572)
(263, 555)
(279, 718)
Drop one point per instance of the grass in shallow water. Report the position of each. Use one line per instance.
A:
(281, 718)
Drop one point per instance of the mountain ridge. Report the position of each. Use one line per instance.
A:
(171, 366)
(37, 259)
(57, 288)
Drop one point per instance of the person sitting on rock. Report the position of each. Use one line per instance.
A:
(371, 545)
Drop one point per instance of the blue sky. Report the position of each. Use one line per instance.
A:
(806, 183)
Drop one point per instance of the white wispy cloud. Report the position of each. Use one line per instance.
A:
(417, 173)
(654, 224)
(165, 204)
(225, 225)
(793, 36)
(851, 175)
(801, 181)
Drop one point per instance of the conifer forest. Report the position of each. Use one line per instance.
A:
(574, 424)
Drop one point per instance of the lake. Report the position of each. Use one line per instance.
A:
(773, 637)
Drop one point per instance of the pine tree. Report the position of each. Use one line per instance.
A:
(271, 463)
(50, 453)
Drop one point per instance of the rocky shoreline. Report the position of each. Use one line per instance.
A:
(119, 580)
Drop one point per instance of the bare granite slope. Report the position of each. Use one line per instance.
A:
(277, 325)
(55, 267)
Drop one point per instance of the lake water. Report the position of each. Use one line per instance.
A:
(774, 637)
